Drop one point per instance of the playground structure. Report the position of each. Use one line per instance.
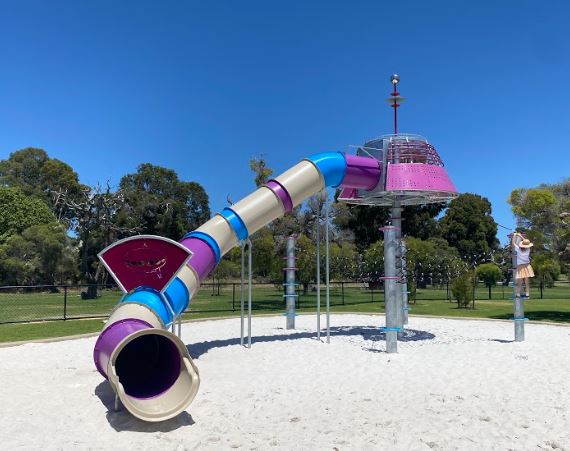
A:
(148, 367)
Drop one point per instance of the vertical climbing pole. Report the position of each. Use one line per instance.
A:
(404, 281)
(390, 288)
(290, 295)
(242, 292)
(318, 277)
(249, 293)
(518, 306)
(327, 270)
(397, 223)
(243, 245)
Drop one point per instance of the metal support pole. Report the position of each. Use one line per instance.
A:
(249, 293)
(318, 277)
(404, 282)
(327, 270)
(390, 289)
(180, 326)
(242, 301)
(518, 306)
(397, 223)
(290, 283)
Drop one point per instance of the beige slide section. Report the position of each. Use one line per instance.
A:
(166, 404)
(130, 310)
(219, 229)
(258, 209)
(190, 279)
(301, 181)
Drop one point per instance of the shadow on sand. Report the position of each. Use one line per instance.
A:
(369, 333)
(125, 421)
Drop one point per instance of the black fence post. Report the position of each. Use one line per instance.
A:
(342, 290)
(233, 297)
(371, 293)
(65, 303)
(541, 288)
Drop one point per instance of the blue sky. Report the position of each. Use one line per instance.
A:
(201, 87)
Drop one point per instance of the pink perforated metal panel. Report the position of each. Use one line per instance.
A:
(418, 177)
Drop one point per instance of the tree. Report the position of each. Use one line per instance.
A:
(419, 221)
(547, 269)
(306, 261)
(262, 172)
(343, 261)
(364, 222)
(158, 203)
(41, 254)
(36, 174)
(373, 264)
(490, 274)
(264, 253)
(430, 261)
(544, 215)
(18, 212)
(93, 217)
(469, 227)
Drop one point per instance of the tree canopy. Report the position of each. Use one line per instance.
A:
(19, 211)
(469, 227)
(544, 214)
(158, 203)
(36, 174)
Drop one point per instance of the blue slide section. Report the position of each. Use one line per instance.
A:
(332, 166)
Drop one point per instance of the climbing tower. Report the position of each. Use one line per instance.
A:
(412, 173)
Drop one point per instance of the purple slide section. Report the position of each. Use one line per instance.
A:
(111, 337)
(282, 193)
(203, 259)
(361, 172)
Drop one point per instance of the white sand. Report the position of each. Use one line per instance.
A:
(467, 388)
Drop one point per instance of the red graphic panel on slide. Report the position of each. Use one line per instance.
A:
(144, 260)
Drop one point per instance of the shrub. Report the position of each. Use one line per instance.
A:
(462, 289)
(490, 274)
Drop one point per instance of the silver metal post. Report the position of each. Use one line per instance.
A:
(242, 303)
(290, 294)
(317, 225)
(180, 326)
(404, 282)
(327, 267)
(249, 294)
(518, 306)
(390, 296)
(397, 222)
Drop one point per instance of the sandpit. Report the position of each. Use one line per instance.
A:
(455, 384)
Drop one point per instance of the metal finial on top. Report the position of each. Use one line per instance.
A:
(395, 100)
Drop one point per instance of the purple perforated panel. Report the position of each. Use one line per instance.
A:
(418, 177)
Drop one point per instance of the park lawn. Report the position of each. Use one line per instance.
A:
(556, 310)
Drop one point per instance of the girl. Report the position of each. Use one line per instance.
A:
(524, 270)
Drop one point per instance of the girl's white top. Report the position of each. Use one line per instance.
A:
(523, 255)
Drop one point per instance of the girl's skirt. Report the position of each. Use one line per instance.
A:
(524, 271)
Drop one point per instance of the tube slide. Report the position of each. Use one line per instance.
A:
(148, 367)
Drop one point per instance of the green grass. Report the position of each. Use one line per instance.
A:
(266, 299)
